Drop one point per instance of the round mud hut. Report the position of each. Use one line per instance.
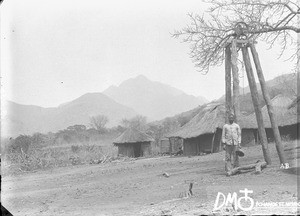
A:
(133, 143)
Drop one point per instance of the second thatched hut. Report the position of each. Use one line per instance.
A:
(133, 143)
(286, 116)
(204, 132)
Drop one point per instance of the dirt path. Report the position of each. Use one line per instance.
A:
(139, 188)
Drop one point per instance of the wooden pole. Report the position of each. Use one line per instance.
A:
(228, 81)
(236, 85)
(254, 95)
(258, 166)
(212, 143)
(298, 58)
(270, 108)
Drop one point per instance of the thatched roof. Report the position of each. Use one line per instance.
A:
(295, 103)
(132, 135)
(211, 117)
(284, 116)
(281, 101)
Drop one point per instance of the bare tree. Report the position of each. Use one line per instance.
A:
(270, 20)
(99, 122)
(231, 22)
(138, 122)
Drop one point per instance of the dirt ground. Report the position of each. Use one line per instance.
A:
(138, 187)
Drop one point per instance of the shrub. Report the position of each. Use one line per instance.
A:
(45, 158)
(75, 148)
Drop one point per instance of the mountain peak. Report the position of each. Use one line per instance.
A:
(141, 77)
(153, 99)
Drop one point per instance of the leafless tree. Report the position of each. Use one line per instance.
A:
(138, 122)
(274, 21)
(99, 122)
(229, 21)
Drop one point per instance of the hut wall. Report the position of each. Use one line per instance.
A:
(270, 134)
(190, 147)
(202, 144)
(205, 143)
(290, 132)
(126, 149)
(217, 141)
(145, 149)
(248, 137)
(165, 146)
(175, 144)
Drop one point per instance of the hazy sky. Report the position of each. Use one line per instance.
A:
(55, 51)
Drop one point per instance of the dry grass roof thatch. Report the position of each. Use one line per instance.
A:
(295, 103)
(284, 116)
(210, 117)
(132, 135)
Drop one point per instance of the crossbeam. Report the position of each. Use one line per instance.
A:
(240, 42)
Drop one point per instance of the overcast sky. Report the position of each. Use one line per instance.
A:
(55, 51)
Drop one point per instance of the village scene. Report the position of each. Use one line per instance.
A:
(150, 109)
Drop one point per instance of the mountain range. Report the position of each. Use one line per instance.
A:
(27, 119)
(153, 99)
(136, 96)
(285, 85)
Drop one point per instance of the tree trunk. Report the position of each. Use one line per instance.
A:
(298, 59)
(236, 85)
(270, 108)
(258, 166)
(254, 95)
(228, 81)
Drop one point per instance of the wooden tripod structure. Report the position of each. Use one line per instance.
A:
(232, 100)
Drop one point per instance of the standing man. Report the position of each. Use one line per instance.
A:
(231, 138)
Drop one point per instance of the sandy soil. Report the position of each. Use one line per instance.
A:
(138, 187)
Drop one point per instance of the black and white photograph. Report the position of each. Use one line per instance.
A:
(150, 108)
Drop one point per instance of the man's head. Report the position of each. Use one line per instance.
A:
(231, 118)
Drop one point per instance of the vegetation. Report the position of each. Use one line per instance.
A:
(273, 21)
(138, 122)
(74, 145)
(45, 158)
(80, 144)
(99, 123)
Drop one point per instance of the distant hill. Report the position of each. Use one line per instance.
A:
(284, 85)
(202, 100)
(27, 119)
(134, 96)
(152, 99)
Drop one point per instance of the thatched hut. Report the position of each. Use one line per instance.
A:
(286, 117)
(204, 132)
(133, 143)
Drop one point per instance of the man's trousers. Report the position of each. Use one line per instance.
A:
(231, 158)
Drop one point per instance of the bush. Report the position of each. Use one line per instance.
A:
(75, 148)
(20, 145)
(45, 158)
